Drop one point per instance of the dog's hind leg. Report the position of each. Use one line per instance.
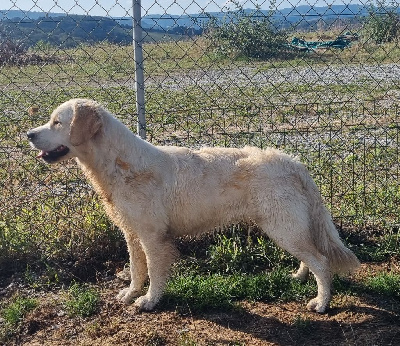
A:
(319, 266)
(160, 253)
(138, 270)
(302, 273)
(299, 244)
(311, 258)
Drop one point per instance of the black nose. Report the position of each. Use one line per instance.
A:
(30, 135)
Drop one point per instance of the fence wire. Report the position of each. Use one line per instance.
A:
(318, 80)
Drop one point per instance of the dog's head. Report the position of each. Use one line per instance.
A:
(71, 125)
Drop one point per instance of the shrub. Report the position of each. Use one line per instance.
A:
(10, 50)
(383, 23)
(246, 34)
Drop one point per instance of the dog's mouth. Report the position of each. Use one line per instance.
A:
(54, 155)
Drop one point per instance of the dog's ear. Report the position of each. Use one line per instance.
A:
(85, 123)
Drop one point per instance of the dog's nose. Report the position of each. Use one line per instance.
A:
(30, 135)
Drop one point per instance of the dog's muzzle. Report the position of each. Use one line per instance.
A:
(31, 135)
(51, 155)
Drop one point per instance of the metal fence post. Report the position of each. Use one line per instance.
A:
(139, 75)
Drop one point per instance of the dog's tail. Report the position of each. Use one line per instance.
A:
(324, 233)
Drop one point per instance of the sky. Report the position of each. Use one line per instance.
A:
(122, 8)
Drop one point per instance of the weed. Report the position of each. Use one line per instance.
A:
(185, 339)
(93, 330)
(30, 277)
(302, 324)
(381, 248)
(12, 315)
(17, 309)
(81, 301)
(155, 339)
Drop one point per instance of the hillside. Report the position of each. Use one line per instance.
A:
(71, 30)
(68, 30)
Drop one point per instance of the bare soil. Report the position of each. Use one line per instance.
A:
(365, 319)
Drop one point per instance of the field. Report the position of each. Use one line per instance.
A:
(59, 254)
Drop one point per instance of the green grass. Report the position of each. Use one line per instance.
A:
(216, 291)
(232, 253)
(82, 301)
(233, 266)
(302, 324)
(13, 312)
(379, 249)
(203, 288)
(236, 266)
(387, 284)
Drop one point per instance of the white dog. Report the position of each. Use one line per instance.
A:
(155, 193)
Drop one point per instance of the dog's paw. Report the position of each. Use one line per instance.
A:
(127, 295)
(144, 303)
(316, 305)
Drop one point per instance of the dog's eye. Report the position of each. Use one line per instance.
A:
(56, 122)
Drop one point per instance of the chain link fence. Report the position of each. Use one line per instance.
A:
(316, 79)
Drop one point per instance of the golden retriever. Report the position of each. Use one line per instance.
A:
(156, 193)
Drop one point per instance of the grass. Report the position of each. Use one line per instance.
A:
(237, 265)
(82, 301)
(13, 312)
(216, 291)
(387, 284)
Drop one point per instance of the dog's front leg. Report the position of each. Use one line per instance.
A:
(160, 253)
(138, 269)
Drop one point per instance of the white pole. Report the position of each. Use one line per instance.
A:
(139, 75)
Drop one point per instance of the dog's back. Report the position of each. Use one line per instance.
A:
(214, 187)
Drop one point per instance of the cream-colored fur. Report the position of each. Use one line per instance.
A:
(156, 193)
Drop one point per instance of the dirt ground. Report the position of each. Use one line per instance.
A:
(352, 320)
